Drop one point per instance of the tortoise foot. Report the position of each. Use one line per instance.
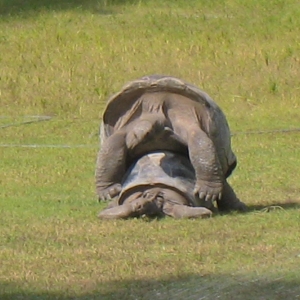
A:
(109, 192)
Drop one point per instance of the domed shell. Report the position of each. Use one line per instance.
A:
(118, 105)
(163, 168)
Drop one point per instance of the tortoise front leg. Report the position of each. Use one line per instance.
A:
(123, 211)
(173, 206)
(143, 205)
(179, 211)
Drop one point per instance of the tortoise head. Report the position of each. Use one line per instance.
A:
(150, 200)
(143, 200)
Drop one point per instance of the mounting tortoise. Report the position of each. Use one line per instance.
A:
(163, 113)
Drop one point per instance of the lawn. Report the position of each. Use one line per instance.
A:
(63, 59)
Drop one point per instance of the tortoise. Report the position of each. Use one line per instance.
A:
(164, 113)
(158, 184)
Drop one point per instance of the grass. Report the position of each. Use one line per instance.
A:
(63, 59)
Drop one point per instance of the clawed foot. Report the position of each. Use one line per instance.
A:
(202, 212)
(208, 191)
(110, 192)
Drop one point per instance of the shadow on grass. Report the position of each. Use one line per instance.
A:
(23, 7)
(189, 286)
(275, 206)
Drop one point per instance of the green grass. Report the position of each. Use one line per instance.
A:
(64, 59)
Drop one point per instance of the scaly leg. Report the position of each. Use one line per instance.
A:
(203, 156)
(111, 164)
(112, 158)
(137, 205)
(183, 211)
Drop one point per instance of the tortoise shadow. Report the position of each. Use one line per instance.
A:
(187, 286)
(273, 206)
(287, 205)
(28, 7)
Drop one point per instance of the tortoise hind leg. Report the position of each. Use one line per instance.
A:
(202, 153)
(112, 158)
(230, 201)
(111, 164)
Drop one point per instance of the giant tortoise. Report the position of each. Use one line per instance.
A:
(163, 113)
(158, 184)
